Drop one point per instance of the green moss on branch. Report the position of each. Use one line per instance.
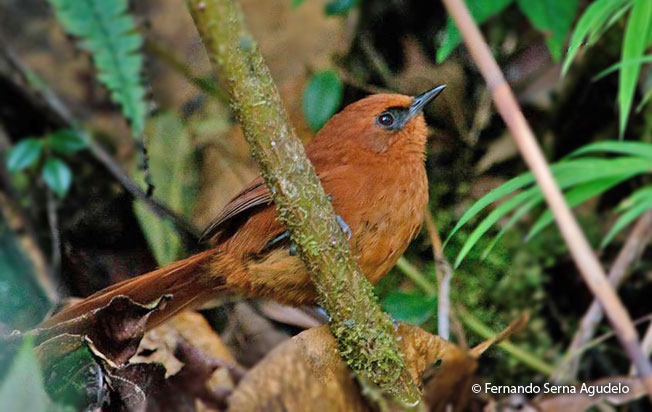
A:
(365, 334)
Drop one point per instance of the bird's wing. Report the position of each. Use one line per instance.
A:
(255, 194)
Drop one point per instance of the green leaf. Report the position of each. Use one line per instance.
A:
(57, 175)
(489, 221)
(170, 160)
(296, 3)
(616, 66)
(481, 10)
(643, 204)
(575, 197)
(22, 389)
(67, 141)
(413, 308)
(503, 190)
(594, 21)
(108, 32)
(72, 377)
(24, 154)
(339, 7)
(553, 17)
(322, 98)
(634, 44)
(640, 149)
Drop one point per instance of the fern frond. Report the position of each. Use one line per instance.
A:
(108, 32)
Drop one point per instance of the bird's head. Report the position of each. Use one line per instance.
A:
(381, 123)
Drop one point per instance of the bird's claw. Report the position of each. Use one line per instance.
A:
(277, 239)
(344, 226)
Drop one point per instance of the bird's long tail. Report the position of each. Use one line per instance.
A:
(190, 282)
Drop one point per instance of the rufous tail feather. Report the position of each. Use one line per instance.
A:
(183, 280)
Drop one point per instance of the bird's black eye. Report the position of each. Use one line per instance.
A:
(385, 119)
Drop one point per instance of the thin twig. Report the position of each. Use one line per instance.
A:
(55, 236)
(444, 276)
(629, 253)
(580, 250)
(646, 344)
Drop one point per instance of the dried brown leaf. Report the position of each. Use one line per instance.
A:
(307, 370)
(115, 330)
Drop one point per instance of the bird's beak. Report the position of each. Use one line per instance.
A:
(419, 102)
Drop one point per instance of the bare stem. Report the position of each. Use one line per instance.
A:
(585, 259)
(365, 334)
(444, 276)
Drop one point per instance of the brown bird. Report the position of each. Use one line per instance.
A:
(370, 160)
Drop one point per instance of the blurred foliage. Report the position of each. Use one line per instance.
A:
(23, 302)
(551, 17)
(170, 161)
(22, 388)
(411, 307)
(108, 32)
(55, 172)
(322, 98)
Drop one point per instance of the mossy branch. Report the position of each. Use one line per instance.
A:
(365, 334)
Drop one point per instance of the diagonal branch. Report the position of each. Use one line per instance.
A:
(585, 259)
(365, 334)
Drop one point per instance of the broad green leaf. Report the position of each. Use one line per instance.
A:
(339, 7)
(634, 45)
(638, 208)
(67, 141)
(641, 149)
(481, 10)
(22, 389)
(26, 153)
(170, 161)
(553, 17)
(595, 18)
(577, 196)
(322, 98)
(413, 308)
(296, 3)
(57, 175)
(107, 31)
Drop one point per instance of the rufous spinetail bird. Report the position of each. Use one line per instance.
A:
(370, 160)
